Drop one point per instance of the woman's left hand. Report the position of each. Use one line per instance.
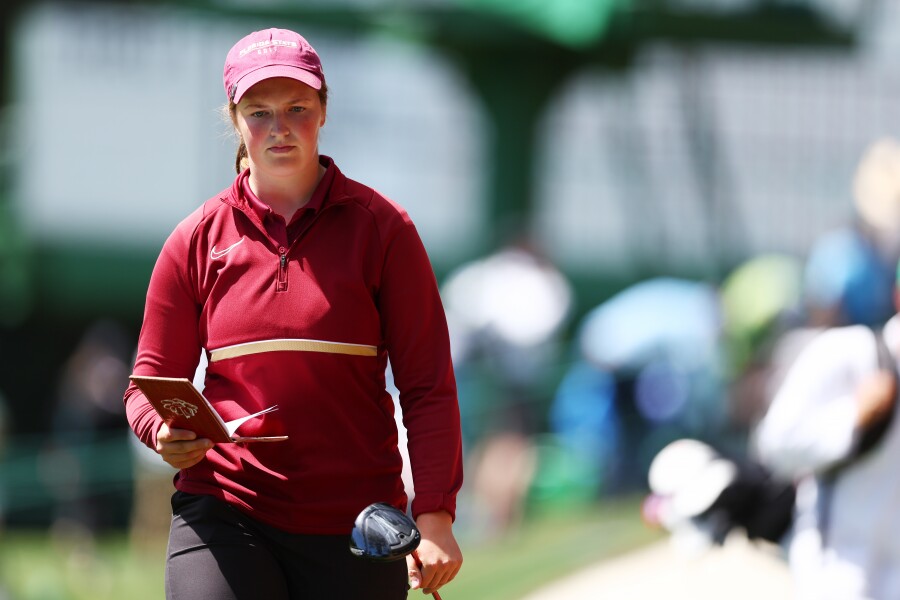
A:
(438, 555)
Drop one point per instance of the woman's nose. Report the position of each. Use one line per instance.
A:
(279, 126)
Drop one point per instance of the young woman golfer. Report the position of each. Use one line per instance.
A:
(299, 284)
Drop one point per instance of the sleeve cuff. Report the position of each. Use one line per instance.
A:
(426, 503)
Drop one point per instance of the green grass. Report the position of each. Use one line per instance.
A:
(35, 565)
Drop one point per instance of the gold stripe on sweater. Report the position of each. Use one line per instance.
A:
(291, 346)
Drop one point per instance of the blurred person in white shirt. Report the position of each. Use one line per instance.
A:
(830, 427)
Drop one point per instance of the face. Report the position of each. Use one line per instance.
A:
(279, 120)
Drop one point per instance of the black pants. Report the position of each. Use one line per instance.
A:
(216, 552)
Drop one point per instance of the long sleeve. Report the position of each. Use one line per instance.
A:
(169, 341)
(415, 331)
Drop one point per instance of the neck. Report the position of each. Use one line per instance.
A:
(288, 194)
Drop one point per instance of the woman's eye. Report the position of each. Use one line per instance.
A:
(258, 114)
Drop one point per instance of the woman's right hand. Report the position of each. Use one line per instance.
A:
(180, 447)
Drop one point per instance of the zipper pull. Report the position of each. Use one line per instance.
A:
(282, 270)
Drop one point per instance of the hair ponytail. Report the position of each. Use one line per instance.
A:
(241, 161)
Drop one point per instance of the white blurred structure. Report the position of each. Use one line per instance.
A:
(125, 133)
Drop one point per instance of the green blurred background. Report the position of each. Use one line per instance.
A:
(627, 139)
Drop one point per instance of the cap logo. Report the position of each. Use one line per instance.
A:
(267, 46)
(270, 53)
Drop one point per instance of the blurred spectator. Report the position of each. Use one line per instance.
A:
(648, 371)
(762, 307)
(86, 463)
(849, 277)
(847, 280)
(586, 423)
(774, 307)
(828, 439)
(703, 496)
(831, 427)
(506, 313)
(761, 298)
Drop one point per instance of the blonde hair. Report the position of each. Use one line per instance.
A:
(241, 160)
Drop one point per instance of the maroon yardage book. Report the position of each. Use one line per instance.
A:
(182, 406)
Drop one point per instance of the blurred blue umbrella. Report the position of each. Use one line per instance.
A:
(658, 319)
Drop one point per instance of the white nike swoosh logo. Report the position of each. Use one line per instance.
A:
(214, 254)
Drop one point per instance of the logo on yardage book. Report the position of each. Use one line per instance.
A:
(180, 407)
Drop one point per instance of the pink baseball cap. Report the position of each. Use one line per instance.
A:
(270, 53)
